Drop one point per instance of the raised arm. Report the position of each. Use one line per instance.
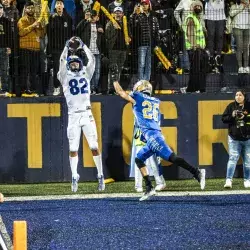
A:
(119, 90)
(90, 68)
(177, 13)
(62, 64)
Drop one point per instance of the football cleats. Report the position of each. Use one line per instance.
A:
(143, 86)
(73, 67)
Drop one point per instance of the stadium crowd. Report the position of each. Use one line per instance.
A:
(189, 37)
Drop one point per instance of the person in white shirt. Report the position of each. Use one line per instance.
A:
(182, 10)
(180, 13)
(240, 15)
(75, 79)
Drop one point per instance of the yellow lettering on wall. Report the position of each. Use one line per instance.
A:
(127, 131)
(208, 135)
(34, 114)
(87, 155)
(169, 111)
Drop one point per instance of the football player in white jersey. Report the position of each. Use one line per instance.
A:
(75, 79)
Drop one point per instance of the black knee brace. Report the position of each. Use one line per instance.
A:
(140, 164)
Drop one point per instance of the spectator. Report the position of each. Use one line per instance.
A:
(91, 33)
(235, 115)
(42, 14)
(116, 45)
(5, 50)
(85, 4)
(195, 44)
(240, 14)
(59, 30)
(81, 7)
(10, 10)
(117, 3)
(30, 31)
(181, 12)
(69, 7)
(215, 16)
(146, 29)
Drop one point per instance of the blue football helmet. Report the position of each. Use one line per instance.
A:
(72, 59)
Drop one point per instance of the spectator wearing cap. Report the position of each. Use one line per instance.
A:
(215, 21)
(59, 30)
(30, 31)
(195, 44)
(117, 3)
(5, 45)
(91, 33)
(145, 26)
(116, 45)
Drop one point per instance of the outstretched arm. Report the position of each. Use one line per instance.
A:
(63, 61)
(90, 68)
(119, 90)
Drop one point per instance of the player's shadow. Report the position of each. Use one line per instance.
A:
(116, 166)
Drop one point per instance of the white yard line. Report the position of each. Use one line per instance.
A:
(6, 238)
(123, 195)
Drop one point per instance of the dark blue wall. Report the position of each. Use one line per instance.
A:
(115, 126)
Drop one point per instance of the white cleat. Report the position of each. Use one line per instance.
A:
(247, 183)
(228, 183)
(101, 184)
(74, 185)
(148, 194)
(241, 70)
(160, 187)
(202, 178)
(56, 91)
(139, 189)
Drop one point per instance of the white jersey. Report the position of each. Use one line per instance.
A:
(76, 85)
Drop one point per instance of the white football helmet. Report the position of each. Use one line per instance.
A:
(143, 86)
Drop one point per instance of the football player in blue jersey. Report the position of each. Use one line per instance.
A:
(146, 111)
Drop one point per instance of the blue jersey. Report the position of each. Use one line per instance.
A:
(146, 111)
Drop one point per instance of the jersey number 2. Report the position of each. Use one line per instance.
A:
(75, 90)
(150, 111)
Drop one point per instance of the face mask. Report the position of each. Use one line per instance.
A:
(197, 11)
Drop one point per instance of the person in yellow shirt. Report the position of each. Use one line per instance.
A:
(30, 31)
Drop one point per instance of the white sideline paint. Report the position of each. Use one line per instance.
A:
(122, 195)
(4, 233)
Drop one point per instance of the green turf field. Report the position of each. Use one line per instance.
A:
(10, 190)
